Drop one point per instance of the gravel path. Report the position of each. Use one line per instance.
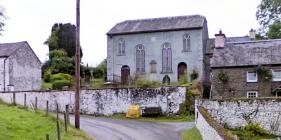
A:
(115, 129)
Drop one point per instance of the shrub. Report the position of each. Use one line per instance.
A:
(47, 75)
(186, 108)
(194, 75)
(61, 76)
(59, 84)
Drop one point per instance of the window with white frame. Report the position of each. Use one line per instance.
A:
(252, 77)
(252, 94)
(121, 47)
(276, 74)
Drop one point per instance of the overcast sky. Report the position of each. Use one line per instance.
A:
(32, 20)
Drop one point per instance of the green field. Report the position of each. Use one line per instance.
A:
(19, 124)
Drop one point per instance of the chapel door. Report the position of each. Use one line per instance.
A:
(181, 70)
(125, 73)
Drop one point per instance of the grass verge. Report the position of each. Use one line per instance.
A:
(191, 134)
(179, 118)
(19, 124)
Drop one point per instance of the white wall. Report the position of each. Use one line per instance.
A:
(6, 74)
(153, 51)
(207, 132)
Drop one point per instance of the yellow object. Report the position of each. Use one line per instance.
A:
(133, 111)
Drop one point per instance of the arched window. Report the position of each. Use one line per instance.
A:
(166, 58)
(140, 59)
(186, 43)
(121, 47)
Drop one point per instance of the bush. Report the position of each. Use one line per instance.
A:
(61, 76)
(252, 131)
(59, 84)
(183, 79)
(187, 108)
(47, 75)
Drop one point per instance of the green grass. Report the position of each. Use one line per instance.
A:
(191, 134)
(97, 83)
(45, 85)
(246, 135)
(19, 124)
(179, 118)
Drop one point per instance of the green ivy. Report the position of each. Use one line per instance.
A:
(223, 77)
(264, 73)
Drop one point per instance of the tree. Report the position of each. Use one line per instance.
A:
(2, 19)
(268, 13)
(274, 31)
(63, 37)
(59, 62)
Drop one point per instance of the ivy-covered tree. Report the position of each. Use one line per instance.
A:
(63, 38)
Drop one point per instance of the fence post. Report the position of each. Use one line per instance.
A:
(47, 108)
(47, 137)
(35, 108)
(67, 113)
(58, 125)
(24, 104)
(14, 98)
(65, 122)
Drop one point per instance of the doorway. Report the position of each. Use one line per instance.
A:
(125, 73)
(182, 68)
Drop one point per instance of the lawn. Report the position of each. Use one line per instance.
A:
(19, 124)
(179, 118)
(191, 134)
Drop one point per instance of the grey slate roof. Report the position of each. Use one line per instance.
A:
(211, 42)
(158, 24)
(6, 49)
(264, 52)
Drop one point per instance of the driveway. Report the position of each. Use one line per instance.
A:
(117, 129)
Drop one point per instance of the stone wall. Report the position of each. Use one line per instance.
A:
(237, 85)
(105, 101)
(237, 113)
(206, 130)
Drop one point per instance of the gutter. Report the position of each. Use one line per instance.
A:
(4, 75)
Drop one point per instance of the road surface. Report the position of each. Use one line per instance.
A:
(117, 129)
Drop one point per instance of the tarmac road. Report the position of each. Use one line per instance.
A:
(117, 129)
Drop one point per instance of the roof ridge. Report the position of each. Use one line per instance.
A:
(256, 41)
(157, 18)
(13, 43)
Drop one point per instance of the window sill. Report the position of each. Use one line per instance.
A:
(120, 55)
(185, 51)
(166, 72)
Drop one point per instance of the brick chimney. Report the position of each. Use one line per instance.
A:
(252, 34)
(219, 40)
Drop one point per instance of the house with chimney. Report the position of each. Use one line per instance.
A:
(158, 49)
(20, 68)
(244, 67)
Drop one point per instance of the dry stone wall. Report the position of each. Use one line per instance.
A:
(237, 113)
(104, 101)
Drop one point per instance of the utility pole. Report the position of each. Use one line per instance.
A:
(77, 67)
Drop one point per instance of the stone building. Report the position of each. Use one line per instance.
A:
(20, 68)
(246, 64)
(158, 49)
